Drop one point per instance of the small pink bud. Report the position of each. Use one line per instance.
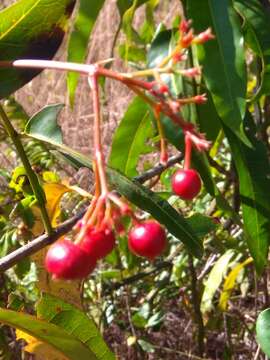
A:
(192, 72)
(187, 39)
(203, 37)
(178, 57)
(174, 106)
(184, 26)
(200, 99)
(163, 88)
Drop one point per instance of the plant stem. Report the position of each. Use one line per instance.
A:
(93, 82)
(32, 177)
(188, 150)
(196, 307)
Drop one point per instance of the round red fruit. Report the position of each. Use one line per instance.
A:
(147, 239)
(186, 183)
(98, 243)
(66, 260)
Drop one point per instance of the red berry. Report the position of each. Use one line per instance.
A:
(98, 243)
(147, 239)
(186, 183)
(66, 260)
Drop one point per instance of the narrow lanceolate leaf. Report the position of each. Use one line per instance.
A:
(222, 59)
(75, 323)
(160, 209)
(79, 38)
(230, 283)
(48, 333)
(30, 29)
(263, 331)
(129, 140)
(257, 35)
(253, 170)
(214, 280)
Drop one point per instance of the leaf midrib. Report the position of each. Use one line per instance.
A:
(20, 19)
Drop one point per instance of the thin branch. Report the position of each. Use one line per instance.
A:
(42, 241)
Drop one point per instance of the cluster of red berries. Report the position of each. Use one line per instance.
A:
(68, 260)
(95, 237)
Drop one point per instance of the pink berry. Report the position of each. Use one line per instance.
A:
(98, 243)
(66, 260)
(186, 183)
(147, 239)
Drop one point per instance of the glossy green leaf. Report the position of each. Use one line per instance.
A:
(253, 170)
(24, 34)
(129, 140)
(208, 119)
(263, 331)
(44, 125)
(48, 333)
(79, 38)
(201, 225)
(257, 31)
(75, 323)
(223, 59)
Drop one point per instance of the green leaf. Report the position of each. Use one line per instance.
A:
(48, 333)
(222, 59)
(263, 331)
(253, 170)
(214, 280)
(129, 140)
(257, 35)
(75, 323)
(79, 39)
(202, 225)
(24, 34)
(160, 209)
(44, 125)
(208, 119)
(146, 346)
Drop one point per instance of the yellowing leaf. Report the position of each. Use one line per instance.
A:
(38, 348)
(229, 283)
(54, 193)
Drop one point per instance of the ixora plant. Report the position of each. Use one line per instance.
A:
(190, 84)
